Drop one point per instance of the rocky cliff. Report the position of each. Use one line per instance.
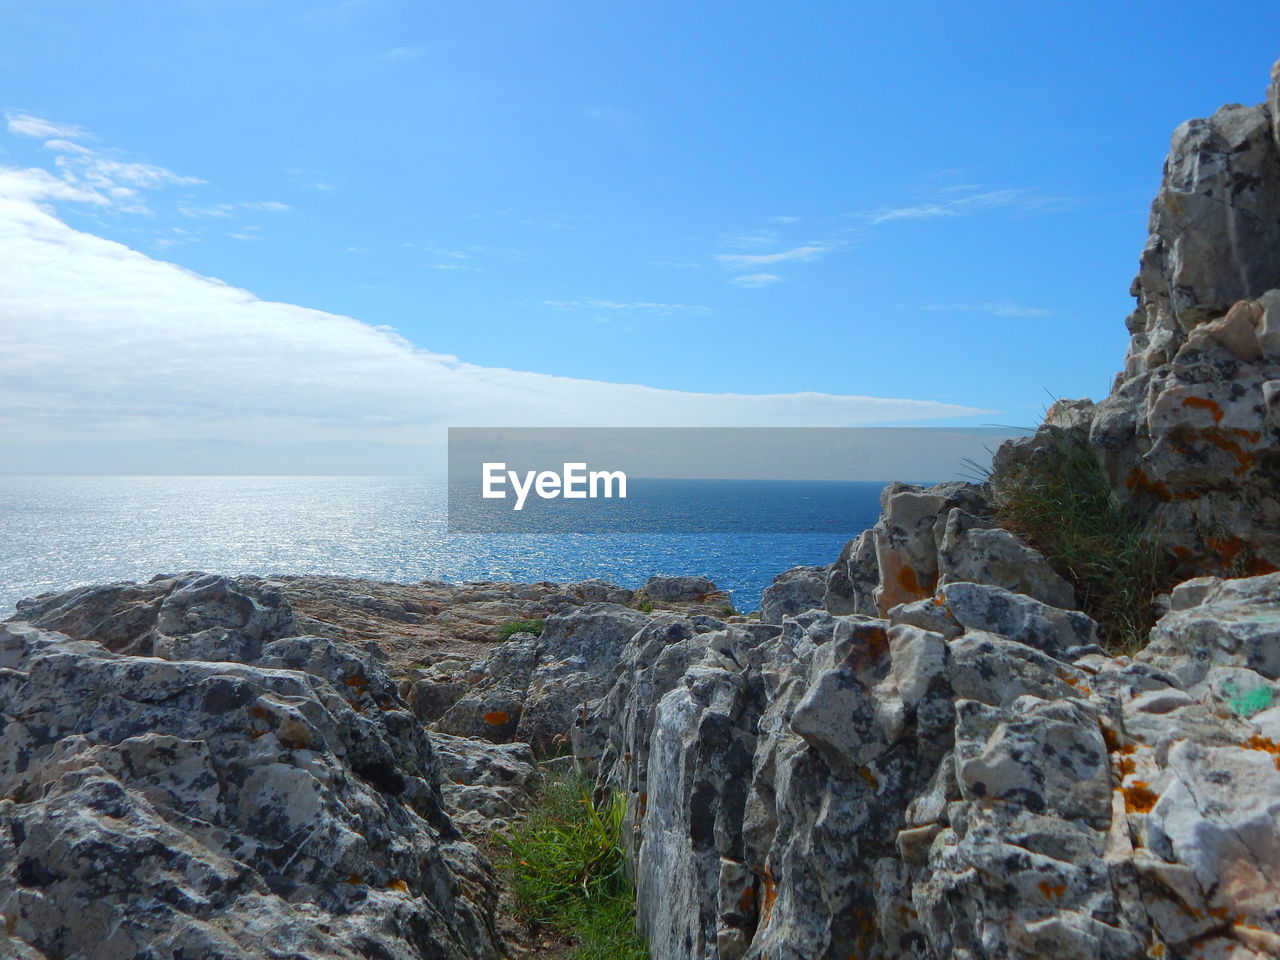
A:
(921, 750)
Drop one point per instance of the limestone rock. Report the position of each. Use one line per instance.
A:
(532, 688)
(678, 588)
(975, 551)
(1235, 623)
(1189, 429)
(285, 807)
(906, 539)
(979, 606)
(485, 785)
(794, 591)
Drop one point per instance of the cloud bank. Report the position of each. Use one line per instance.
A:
(114, 361)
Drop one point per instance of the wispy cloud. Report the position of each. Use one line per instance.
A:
(235, 383)
(25, 125)
(753, 281)
(403, 53)
(90, 175)
(453, 266)
(638, 306)
(748, 260)
(967, 205)
(751, 238)
(998, 308)
(223, 210)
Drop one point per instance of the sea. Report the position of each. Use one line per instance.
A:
(62, 532)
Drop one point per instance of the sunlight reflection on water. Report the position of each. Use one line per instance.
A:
(59, 532)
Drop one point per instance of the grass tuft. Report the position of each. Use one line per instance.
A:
(509, 630)
(1059, 501)
(568, 871)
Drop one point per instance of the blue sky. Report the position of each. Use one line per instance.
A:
(941, 202)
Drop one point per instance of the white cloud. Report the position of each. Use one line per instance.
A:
(87, 175)
(748, 260)
(968, 205)
(65, 146)
(222, 210)
(753, 281)
(642, 306)
(403, 53)
(998, 308)
(751, 238)
(113, 360)
(25, 125)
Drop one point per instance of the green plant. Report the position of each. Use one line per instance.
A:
(645, 606)
(509, 630)
(728, 612)
(568, 870)
(1059, 501)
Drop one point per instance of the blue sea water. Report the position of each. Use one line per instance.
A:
(60, 532)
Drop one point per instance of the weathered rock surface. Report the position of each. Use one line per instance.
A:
(794, 591)
(1192, 425)
(285, 805)
(485, 785)
(531, 688)
(840, 785)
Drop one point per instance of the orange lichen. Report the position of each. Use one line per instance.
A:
(1139, 482)
(909, 582)
(1203, 403)
(1052, 890)
(867, 775)
(357, 683)
(1073, 681)
(496, 718)
(1139, 797)
(1259, 742)
(1226, 548)
(400, 885)
(1244, 459)
(769, 899)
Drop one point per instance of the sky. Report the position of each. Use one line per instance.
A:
(287, 236)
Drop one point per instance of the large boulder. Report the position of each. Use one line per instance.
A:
(794, 591)
(532, 688)
(282, 807)
(1192, 425)
(839, 786)
(187, 616)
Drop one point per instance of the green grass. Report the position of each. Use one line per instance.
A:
(1059, 501)
(645, 606)
(509, 630)
(568, 871)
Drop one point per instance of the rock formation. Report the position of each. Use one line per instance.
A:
(919, 751)
(222, 788)
(1192, 425)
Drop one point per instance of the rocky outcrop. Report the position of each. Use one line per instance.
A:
(841, 785)
(530, 689)
(273, 797)
(1192, 425)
